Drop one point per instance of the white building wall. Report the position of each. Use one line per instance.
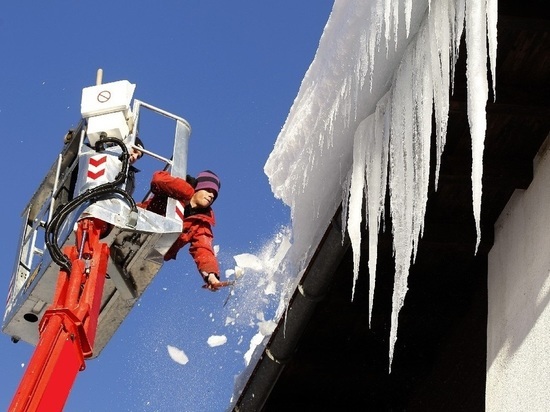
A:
(518, 329)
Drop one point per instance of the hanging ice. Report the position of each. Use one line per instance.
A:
(476, 76)
(421, 87)
(370, 163)
(383, 71)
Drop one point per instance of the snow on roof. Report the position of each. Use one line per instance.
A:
(361, 122)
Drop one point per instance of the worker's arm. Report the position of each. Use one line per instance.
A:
(164, 183)
(202, 251)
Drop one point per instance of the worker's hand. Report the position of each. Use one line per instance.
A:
(212, 281)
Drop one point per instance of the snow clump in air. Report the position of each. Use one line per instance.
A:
(177, 355)
(215, 340)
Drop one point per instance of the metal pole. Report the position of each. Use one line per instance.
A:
(99, 77)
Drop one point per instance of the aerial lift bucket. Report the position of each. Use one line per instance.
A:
(108, 249)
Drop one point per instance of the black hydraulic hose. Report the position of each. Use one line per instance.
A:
(54, 225)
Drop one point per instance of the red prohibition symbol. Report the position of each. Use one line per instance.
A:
(103, 96)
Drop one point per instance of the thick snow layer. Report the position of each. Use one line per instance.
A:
(361, 124)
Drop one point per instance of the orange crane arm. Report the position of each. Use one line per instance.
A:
(68, 327)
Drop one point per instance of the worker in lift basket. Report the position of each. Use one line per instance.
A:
(197, 195)
(135, 155)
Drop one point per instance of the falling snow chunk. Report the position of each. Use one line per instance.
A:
(237, 272)
(214, 341)
(248, 261)
(177, 355)
(267, 327)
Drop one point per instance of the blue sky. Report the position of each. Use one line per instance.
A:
(232, 69)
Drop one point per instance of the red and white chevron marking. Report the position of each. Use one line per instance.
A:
(180, 208)
(96, 167)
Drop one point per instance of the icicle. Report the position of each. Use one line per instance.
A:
(375, 32)
(401, 181)
(492, 17)
(439, 35)
(362, 70)
(408, 10)
(377, 177)
(345, 203)
(395, 15)
(476, 80)
(387, 23)
(355, 208)
(456, 17)
(422, 118)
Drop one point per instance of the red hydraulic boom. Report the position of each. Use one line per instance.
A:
(68, 327)
(86, 252)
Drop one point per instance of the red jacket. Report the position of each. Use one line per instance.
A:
(197, 223)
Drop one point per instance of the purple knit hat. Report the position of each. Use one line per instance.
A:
(208, 180)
